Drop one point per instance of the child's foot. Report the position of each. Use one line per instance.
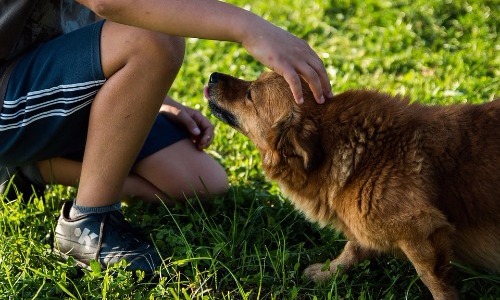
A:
(106, 237)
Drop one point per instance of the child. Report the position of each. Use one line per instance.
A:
(81, 101)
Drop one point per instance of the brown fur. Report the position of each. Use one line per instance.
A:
(392, 176)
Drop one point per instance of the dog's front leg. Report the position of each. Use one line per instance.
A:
(352, 254)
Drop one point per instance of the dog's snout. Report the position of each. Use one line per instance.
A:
(214, 77)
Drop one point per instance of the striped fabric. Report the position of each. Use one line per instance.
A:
(61, 101)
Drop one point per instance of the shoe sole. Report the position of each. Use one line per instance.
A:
(64, 258)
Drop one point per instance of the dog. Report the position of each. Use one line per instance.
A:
(423, 181)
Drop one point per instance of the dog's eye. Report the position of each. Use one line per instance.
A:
(249, 95)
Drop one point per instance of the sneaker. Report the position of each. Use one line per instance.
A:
(107, 238)
(14, 181)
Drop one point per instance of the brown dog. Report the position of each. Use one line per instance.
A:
(421, 180)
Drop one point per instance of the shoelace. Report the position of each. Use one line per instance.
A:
(119, 223)
(124, 225)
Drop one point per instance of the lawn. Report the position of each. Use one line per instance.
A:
(251, 244)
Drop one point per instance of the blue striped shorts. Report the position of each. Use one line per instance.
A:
(47, 103)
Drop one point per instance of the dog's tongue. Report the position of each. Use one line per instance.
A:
(206, 93)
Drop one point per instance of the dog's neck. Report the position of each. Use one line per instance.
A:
(295, 181)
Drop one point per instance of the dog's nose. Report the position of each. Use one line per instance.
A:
(214, 77)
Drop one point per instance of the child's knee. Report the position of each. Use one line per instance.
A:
(209, 183)
(143, 49)
(219, 182)
(163, 50)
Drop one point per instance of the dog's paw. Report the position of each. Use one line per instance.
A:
(319, 272)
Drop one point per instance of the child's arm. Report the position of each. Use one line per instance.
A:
(210, 19)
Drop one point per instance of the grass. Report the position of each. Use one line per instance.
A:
(251, 244)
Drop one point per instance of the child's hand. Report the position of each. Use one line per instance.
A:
(290, 57)
(202, 131)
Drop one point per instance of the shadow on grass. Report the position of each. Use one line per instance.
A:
(249, 244)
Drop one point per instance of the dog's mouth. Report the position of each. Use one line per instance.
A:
(223, 114)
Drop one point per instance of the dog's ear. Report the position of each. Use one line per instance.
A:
(297, 137)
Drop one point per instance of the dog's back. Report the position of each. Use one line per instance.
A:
(459, 150)
(464, 145)
(457, 147)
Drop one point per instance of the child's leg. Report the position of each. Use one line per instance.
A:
(139, 66)
(168, 164)
(173, 164)
(179, 171)
(67, 172)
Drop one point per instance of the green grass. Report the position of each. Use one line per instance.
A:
(251, 244)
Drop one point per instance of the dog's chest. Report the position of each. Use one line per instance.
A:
(316, 194)
(340, 218)
(316, 203)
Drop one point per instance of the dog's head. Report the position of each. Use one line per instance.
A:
(265, 111)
